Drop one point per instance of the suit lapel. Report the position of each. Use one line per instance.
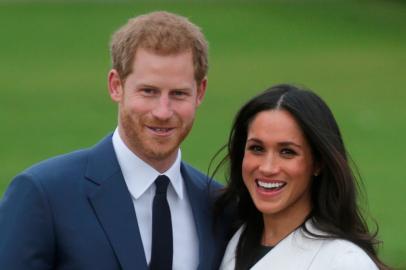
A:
(198, 197)
(113, 206)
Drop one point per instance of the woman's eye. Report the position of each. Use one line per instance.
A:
(255, 148)
(288, 152)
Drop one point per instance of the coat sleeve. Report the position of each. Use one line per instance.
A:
(26, 230)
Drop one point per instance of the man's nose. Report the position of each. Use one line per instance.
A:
(163, 110)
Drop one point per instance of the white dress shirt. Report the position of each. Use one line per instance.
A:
(139, 177)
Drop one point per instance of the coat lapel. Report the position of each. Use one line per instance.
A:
(297, 251)
(198, 196)
(113, 206)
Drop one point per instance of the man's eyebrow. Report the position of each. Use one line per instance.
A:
(182, 89)
(143, 85)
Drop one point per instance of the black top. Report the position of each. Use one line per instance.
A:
(261, 252)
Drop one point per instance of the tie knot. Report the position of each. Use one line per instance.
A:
(161, 184)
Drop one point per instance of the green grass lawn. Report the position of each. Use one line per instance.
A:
(54, 60)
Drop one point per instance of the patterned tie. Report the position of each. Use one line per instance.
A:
(162, 243)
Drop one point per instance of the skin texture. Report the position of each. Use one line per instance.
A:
(157, 102)
(276, 152)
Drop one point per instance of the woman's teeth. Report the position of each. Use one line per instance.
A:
(270, 185)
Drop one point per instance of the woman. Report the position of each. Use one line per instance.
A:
(293, 188)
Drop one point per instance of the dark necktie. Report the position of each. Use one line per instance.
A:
(162, 243)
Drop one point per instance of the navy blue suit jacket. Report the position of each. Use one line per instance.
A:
(75, 212)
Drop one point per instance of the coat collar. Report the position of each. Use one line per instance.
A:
(296, 251)
(112, 204)
(198, 197)
(298, 245)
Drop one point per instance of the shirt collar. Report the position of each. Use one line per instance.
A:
(139, 175)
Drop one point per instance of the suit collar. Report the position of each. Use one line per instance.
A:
(102, 162)
(112, 204)
(201, 208)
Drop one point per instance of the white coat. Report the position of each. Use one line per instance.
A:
(301, 251)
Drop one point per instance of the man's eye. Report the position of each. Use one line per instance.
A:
(148, 91)
(178, 94)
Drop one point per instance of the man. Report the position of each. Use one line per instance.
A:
(101, 208)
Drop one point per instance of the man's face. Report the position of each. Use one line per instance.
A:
(157, 104)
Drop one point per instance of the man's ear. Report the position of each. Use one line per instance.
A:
(201, 91)
(115, 86)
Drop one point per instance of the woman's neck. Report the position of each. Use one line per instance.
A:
(278, 226)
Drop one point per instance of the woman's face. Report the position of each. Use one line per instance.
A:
(278, 166)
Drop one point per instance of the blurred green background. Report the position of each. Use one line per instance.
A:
(54, 60)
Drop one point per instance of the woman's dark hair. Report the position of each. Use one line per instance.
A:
(334, 191)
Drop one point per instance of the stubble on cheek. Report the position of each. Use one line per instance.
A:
(143, 144)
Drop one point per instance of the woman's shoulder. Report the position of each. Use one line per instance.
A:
(338, 253)
(310, 252)
(343, 254)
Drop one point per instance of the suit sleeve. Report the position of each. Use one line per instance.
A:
(26, 230)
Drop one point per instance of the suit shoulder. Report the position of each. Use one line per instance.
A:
(59, 166)
(198, 177)
(60, 161)
(192, 171)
